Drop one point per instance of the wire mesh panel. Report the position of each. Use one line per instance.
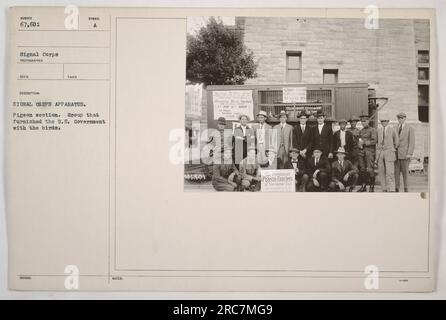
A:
(271, 101)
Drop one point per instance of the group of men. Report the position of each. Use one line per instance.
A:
(322, 160)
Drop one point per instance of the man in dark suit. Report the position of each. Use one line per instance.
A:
(298, 165)
(318, 171)
(344, 174)
(343, 138)
(323, 136)
(303, 137)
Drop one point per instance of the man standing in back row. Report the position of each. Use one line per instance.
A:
(323, 136)
(284, 136)
(367, 149)
(406, 135)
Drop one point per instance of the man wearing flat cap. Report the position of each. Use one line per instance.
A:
(284, 137)
(367, 151)
(354, 156)
(244, 138)
(406, 134)
(385, 149)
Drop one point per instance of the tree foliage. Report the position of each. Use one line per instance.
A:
(216, 55)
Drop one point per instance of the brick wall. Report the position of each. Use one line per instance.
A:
(384, 58)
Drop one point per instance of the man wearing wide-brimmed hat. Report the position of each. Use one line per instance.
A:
(284, 137)
(323, 136)
(244, 138)
(303, 136)
(343, 138)
(318, 170)
(344, 174)
(385, 148)
(406, 134)
(297, 163)
(220, 138)
(263, 136)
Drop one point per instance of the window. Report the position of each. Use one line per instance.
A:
(293, 66)
(330, 75)
(423, 85)
(423, 56)
(423, 95)
(423, 73)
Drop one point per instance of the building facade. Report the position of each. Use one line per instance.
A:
(393, 60)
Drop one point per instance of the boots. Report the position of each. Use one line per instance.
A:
(372, 184)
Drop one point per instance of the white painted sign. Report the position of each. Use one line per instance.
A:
(231, 104)
(294, 94)
(278, 180)
(194, 99)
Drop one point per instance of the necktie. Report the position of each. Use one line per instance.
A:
(303, 129)
(400, 129)
(384, 135)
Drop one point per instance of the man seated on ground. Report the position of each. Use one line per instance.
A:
(298, 165)
(225, 175)
(318, 171)
(272, 162)
(344, 174)
(250, 171)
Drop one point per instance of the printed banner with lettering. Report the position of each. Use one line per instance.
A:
(278, 180)
(294, 94)
(231, 104)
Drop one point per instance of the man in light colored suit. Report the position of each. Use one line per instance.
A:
(284, 137)
(386, 154)
(263, 136)
(405, 150)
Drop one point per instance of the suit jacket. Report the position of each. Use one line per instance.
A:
(388, 146)
(303, 140)
(324, 140)
(287, 133)
(407, 141)
(323, 165)
(300, 165)
(338, 172)
(241, 142)
(248, 137)
(349, 141)
(266, 134)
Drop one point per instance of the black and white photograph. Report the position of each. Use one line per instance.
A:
(306, 105)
